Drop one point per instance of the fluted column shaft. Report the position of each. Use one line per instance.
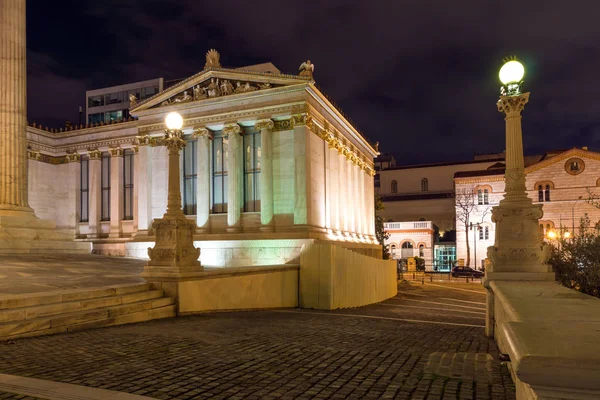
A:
(515, 169)
(13, 106)
(266, 174)
(234, 175)
(203, 136)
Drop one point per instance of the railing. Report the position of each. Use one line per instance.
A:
(408, 225)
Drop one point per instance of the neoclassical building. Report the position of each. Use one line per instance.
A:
(559, 181)
(270, 164)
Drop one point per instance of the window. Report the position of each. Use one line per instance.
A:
(128, 184)
(190, 172)
(547, 193)
(421, 250)
(394, 187)
(105, 187)
(540, 193)
(407, 250)
(479, 197)
(220, 150)
(486, 196)
(84, 197)
(424, 185)
(487, 233)
(252, 154)
(480, 229)
(541, 230)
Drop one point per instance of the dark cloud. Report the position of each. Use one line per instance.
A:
(418, 76)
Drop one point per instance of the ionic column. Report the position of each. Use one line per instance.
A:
(13, 108)
(266, 175)
(73, 183)
(234, 177)
(350, 200)
(333, 187)
(343, 197)
(203, 136)
(95, 190)
(116, 192)
(142, 186)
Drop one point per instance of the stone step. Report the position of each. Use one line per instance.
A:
(168, 311)
(131, 295)
(150, 306)
(38, 299)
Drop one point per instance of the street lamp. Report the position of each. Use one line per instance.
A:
(511, 75)
(174, 255)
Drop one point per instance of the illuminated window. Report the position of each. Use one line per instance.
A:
(84, 198)
(479, 197)
(105, 188)
(407, 250)
(252, 158)
(486, 196)
(128, 184)
(424, 185)
(190, 171)
(421, 250)
(220, 152)
(394, 187)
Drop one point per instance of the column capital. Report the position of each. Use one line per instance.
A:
(34, 154)
(203, 132)
(143, 140)
(232, 129)
(73, 157)
(95, 154)
(512, 105)
(116, 152)
(264, 124)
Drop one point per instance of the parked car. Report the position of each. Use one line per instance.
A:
(466, 271)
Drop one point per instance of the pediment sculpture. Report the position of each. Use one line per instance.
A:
(215, 87)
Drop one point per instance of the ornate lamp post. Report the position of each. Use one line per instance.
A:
(174, 255)
(518, 253)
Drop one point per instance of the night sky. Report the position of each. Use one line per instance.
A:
(418, 76)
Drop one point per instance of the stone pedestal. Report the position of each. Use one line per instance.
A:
(20, 230)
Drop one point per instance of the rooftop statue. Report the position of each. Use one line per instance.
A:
(307, 69)
(132, 99)
(212, 59)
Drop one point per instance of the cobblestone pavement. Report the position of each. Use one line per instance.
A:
(426, 343)
(12, 396)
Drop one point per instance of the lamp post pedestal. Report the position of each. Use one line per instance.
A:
(174, 256)
(518, 252)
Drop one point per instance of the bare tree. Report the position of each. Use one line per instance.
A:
(464, 199)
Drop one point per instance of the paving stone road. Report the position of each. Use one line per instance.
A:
(426, 343)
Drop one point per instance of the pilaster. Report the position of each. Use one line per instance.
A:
(73, 177)
(301, 174)
(116, 192)
(234, 174)
(204, 136)
(266, 175)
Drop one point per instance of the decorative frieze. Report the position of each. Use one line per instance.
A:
(48, 159)
(73, 157)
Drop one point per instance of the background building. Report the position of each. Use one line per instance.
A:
(112, 103)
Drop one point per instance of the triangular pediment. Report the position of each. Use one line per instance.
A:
(216, 83)
(573, 160)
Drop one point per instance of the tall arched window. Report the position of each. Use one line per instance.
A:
(487, 233)
(394, 187)
(540, 193)
(479, 197)
(407, 250)
(486, 196)
(424, 185)
(547, 193)
(421, 250)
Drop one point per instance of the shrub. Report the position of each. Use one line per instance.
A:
(420, 263)
(576, 260)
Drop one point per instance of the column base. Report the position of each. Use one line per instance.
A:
(233, 229)
(267, 228)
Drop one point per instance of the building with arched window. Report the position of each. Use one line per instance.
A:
(558, 181)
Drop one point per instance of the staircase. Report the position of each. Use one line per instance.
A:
(48, 313)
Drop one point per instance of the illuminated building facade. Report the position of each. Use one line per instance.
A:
(270, 164)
